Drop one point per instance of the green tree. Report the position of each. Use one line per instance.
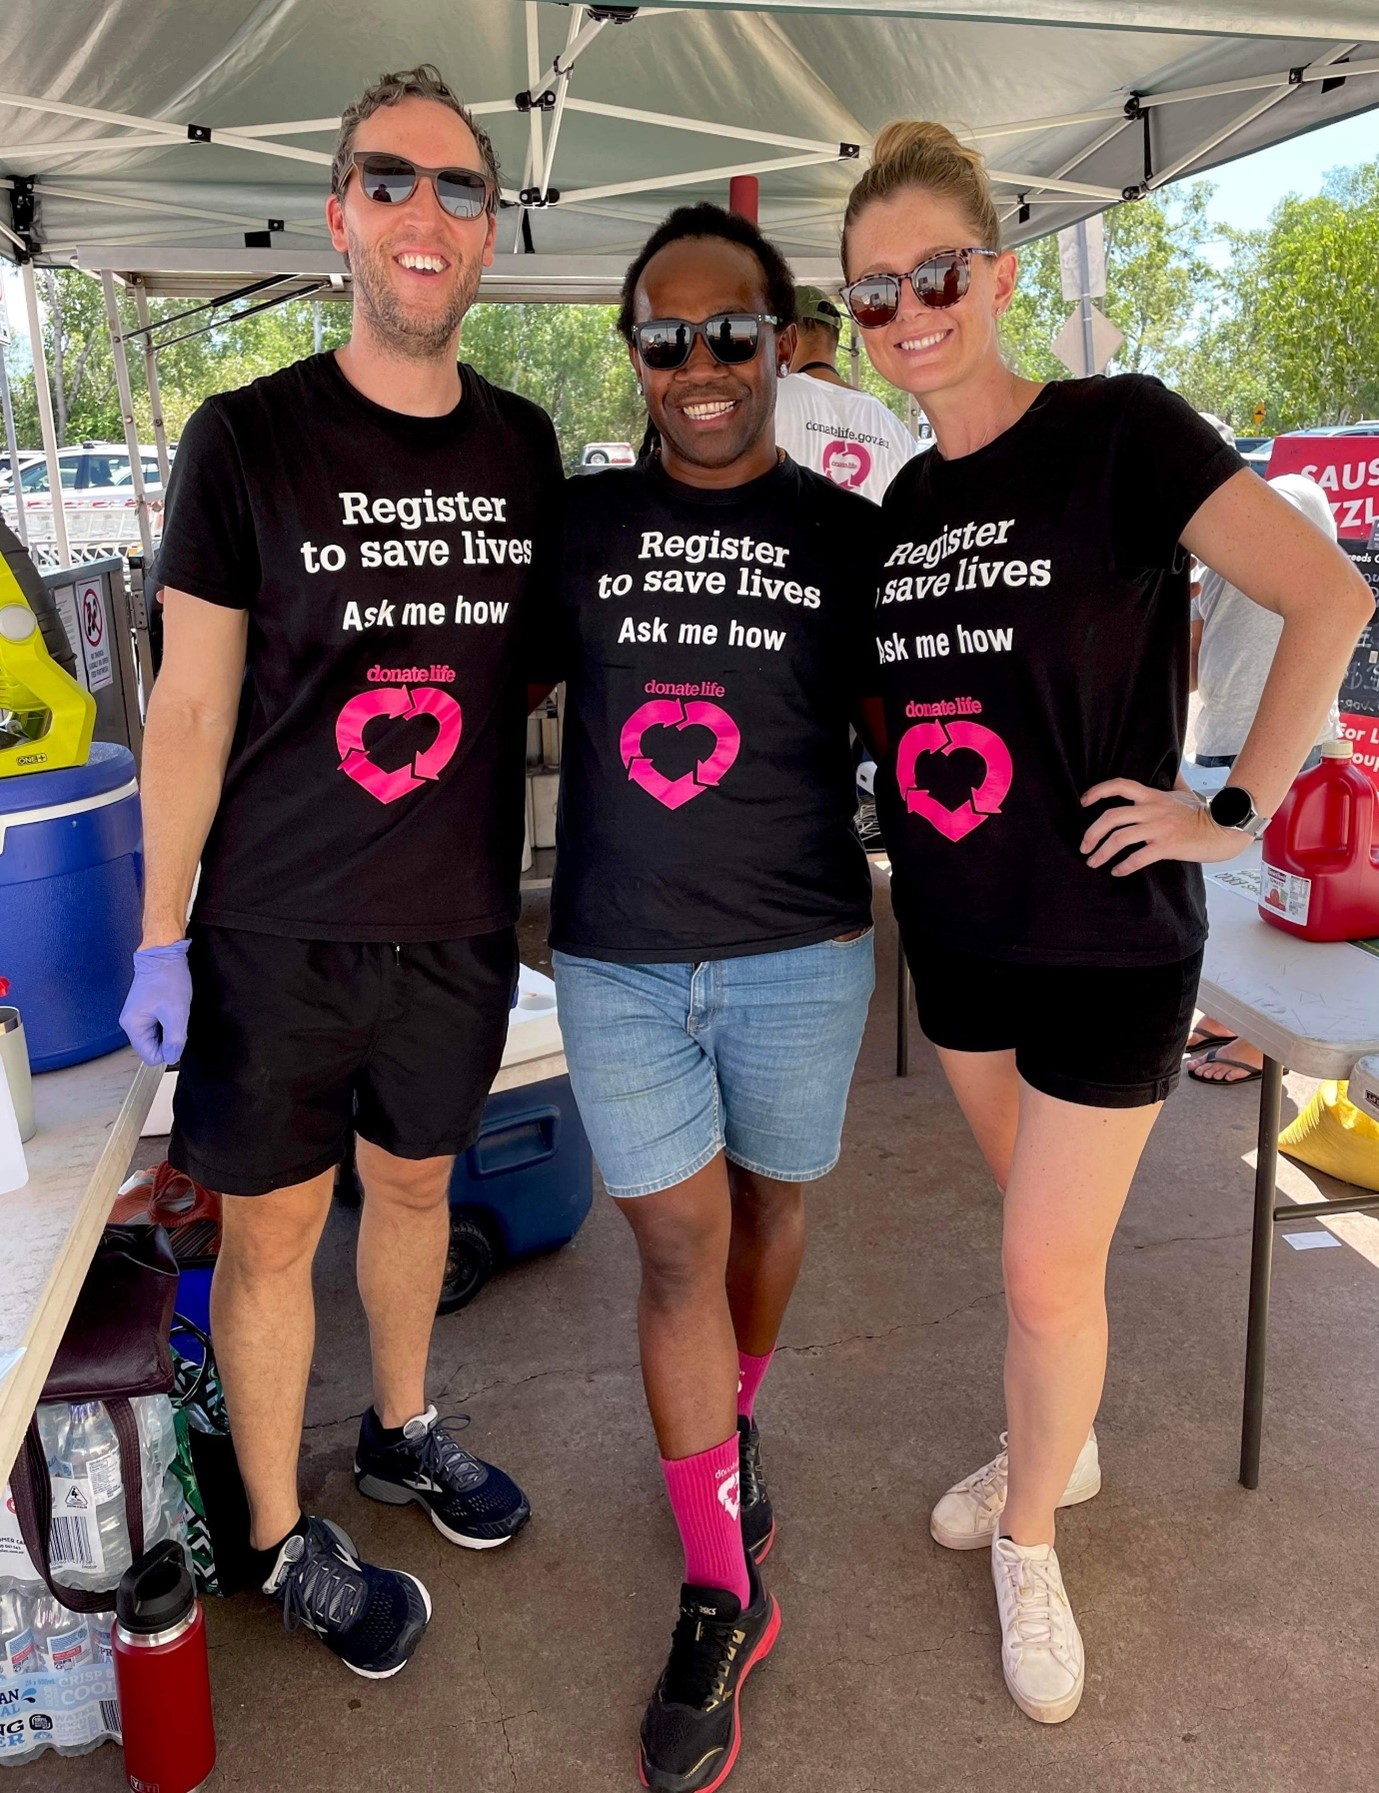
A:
(1159, 287)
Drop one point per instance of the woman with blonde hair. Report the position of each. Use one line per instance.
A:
(1031, 641)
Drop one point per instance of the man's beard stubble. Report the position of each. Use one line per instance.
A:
(409, 337)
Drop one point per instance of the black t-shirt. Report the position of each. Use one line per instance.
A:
(709, 644)
(1031, 640)
(374, 789)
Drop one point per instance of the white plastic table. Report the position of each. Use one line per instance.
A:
(1309, 1007)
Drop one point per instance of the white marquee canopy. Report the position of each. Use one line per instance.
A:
(183, 146)
(193, 138)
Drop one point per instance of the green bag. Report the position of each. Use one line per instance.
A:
(206, 1467)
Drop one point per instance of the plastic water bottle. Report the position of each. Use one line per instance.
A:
(93, 1501)
(17, 1573)
(19, 1741)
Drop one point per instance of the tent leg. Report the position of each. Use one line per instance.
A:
(46, 423)
(21, 525)
(155, 396)
(131, 434)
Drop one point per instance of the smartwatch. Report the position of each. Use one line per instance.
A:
(1233, 807)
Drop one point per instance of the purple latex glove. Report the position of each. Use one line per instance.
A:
(160, 998)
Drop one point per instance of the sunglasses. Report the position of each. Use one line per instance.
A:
(732, 337)
(392, 180)
(938, 282)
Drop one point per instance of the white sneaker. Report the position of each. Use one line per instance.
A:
(1041, 1647)
(965, 1519)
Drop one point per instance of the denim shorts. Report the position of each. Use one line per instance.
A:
(672, 1064)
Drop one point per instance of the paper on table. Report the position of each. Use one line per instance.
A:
(14, 1166)
(1244, 881)
(8, 1359)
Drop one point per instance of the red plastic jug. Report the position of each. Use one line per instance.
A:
(1320, 878)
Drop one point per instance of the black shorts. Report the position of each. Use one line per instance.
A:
(1105, 1036)
(295, 1044)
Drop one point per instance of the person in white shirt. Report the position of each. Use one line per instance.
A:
(827, 425)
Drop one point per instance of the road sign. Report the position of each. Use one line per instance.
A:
(1258, 415)
(1070, 260)
(1068, 344)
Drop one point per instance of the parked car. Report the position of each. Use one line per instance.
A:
(608, 454)
(97, 492)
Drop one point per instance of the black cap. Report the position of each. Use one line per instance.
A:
(157, 1592)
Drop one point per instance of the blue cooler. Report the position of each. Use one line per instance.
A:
(71, 897)
(524, 1186)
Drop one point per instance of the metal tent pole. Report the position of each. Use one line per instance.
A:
(131, 433)
(155, 396)
(46, 424)
(12, 444)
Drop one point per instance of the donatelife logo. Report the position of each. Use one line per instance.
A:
(987, 796)
(670, 712)
(400, 702)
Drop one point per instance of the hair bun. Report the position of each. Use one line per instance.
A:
(904, 134)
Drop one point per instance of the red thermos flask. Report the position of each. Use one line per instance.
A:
(163, 1675)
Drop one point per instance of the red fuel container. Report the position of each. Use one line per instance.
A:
(1320, 878)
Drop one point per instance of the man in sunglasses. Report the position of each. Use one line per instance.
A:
(822, 422)
(711, 908)
(336, 734)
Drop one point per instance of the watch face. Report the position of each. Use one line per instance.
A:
(1232, 806)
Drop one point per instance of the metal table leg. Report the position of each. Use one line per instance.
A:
(904, 988)
(1261, 1271)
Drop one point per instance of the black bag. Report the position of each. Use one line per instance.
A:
(115, 1346)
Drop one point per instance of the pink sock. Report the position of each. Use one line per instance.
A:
(750, 1371)
(703, 1497)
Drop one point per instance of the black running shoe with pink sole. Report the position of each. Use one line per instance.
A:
(470, 1502)
(372, 1619)
(758, 1516)
(692, 1731)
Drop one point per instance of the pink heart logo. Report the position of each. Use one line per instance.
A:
(986, 799)
(669, 712)
(400, 702)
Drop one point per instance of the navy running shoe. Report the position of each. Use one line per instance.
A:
(758, 1516)
(470, 1502)
(691, 1731)
(372, 1619)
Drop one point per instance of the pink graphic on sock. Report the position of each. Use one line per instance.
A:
(704, 1499)
(985, 800)
(669, 712)
(750, 1372)
(400, 702)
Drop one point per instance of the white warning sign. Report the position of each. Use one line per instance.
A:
(94, 632)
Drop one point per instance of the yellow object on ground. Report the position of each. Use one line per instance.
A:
(46, 717)
(1332, 1135)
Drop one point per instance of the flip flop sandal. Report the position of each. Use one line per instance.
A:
(1196, 1047)
(1252, 1072)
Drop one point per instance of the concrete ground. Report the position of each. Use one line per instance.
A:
(1231, 1637)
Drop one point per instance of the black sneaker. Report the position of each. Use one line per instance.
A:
(691, 1733)
(372, 1619)
(758, 1518)
(470, 1502)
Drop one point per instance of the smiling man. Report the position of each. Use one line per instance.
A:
(336, 734)
(711, 909)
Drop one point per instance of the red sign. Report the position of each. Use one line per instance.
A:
(1345, 467)
(1359, 694)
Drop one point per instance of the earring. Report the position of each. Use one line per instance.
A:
(782, 370)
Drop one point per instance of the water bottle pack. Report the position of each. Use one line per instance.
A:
(57, 1677)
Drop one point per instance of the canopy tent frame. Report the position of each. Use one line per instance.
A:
(157, 227)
